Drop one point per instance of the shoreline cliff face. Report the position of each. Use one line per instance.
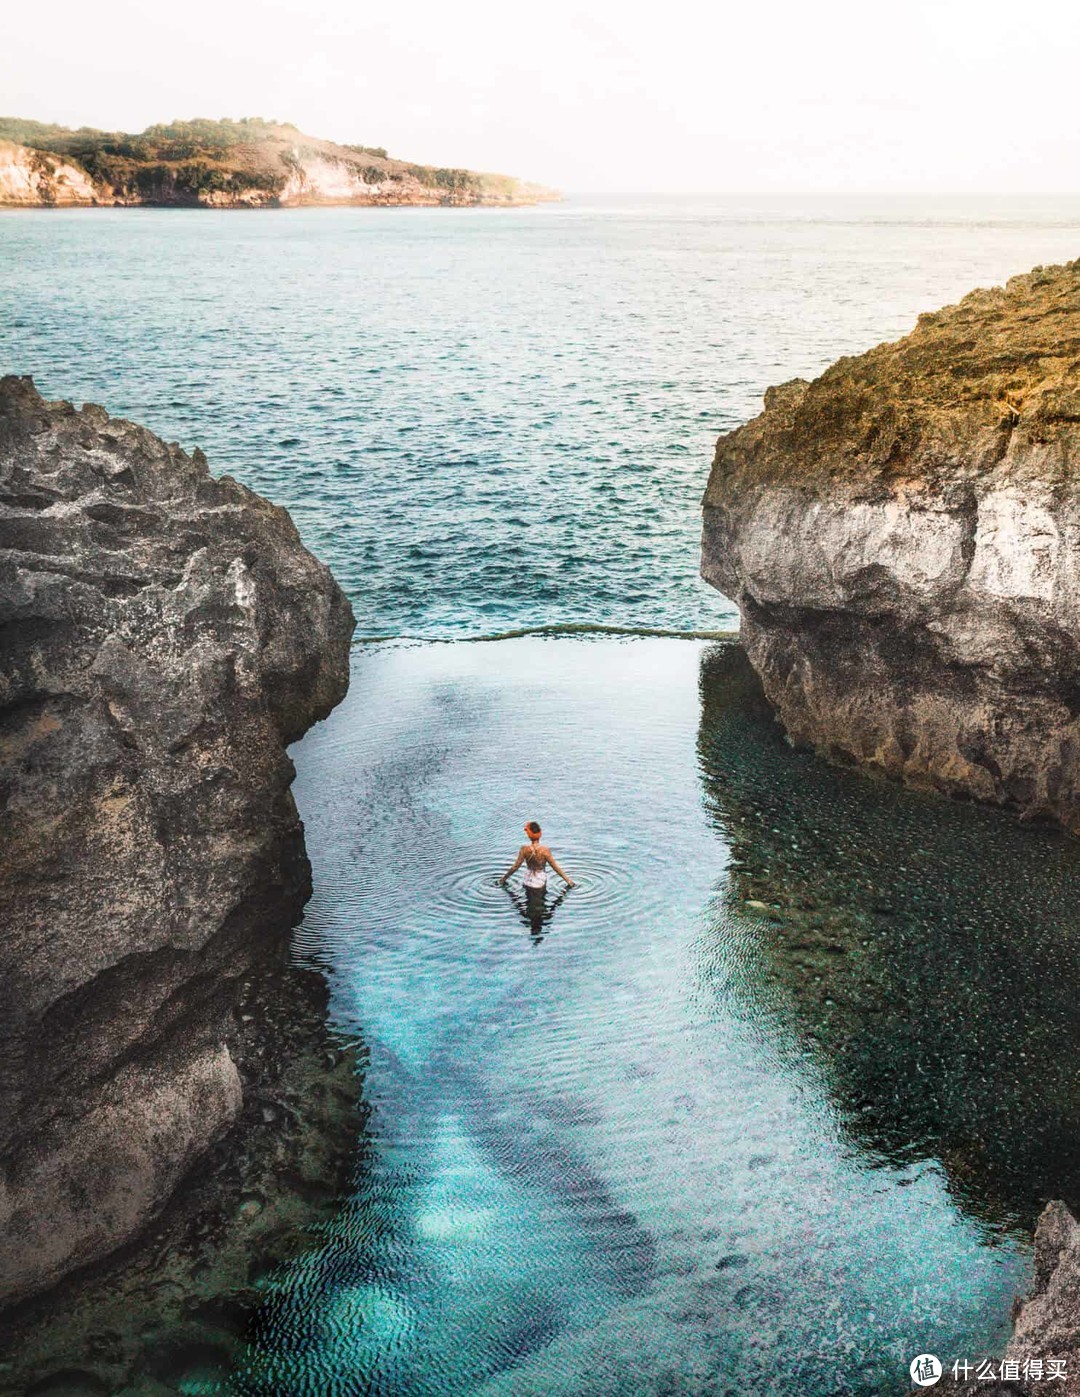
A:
(229, 164)
(179, 1307)
(33, 179)
(165, 636)
(901, 537)
(1044, 1350)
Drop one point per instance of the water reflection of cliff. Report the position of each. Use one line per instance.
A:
(924, 955)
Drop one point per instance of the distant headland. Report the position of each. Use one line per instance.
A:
(249, 163)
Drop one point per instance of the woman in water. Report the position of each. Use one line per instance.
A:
(537, 858)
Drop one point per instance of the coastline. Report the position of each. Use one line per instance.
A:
(229, 164)
(274, 1188)
(277, 206)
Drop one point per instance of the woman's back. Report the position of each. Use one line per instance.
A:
(537, 858)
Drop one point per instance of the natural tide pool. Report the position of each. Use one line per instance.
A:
(767, 1105)
(772, 1101)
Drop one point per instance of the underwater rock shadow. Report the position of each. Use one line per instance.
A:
(924, 955)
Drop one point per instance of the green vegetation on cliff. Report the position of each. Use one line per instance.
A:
(176, 140)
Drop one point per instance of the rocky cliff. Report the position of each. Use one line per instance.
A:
(227, 164)
(30, 177)
(1047, 1321)
(901, 536)
(1044, 1351)
(165, 634)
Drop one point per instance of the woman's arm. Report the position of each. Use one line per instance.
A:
(515, 865)
(566, 879)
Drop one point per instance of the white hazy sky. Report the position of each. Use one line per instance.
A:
(784, 95)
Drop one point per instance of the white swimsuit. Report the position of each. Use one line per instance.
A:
(535, 877)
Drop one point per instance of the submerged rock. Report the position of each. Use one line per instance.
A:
(900, 944)
(901, 536)
(165, 635)
(203, 1277)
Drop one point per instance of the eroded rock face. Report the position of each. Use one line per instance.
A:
(1048, 1319)
(165, 634)
(1044, 1351)
(902, 535)
(34, 178)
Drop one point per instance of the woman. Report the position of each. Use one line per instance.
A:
(536, 857)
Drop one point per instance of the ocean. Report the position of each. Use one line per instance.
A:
(484, 420)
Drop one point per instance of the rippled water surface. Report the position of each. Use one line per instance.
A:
(753, 1111)
(487, 419)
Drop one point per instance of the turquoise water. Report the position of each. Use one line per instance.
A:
(769, 1103)
(759, 1109)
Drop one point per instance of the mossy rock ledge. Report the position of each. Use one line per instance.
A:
(165, 635)
(902, 537)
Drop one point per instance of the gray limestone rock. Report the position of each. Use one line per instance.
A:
(1048, 1320)
(1043, 1354)
(902, 537)
(165, 635)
